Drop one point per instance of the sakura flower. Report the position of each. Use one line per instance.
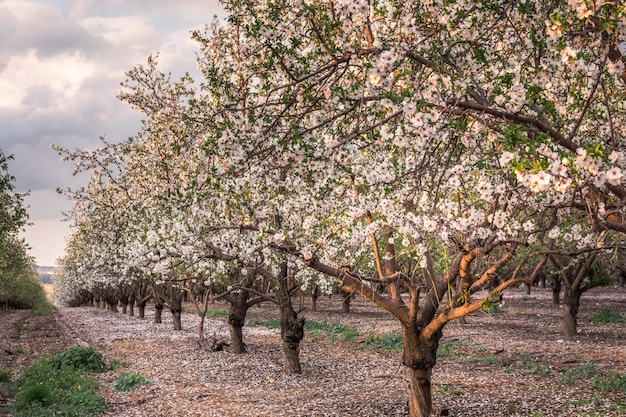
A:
(614, 176)
(568, 54)
(554, 233)
(583, 11)
(506, 157)
(616, 156)
(554, 29)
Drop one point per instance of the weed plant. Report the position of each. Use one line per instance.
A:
(390, 341)
(54, 386)
(608, 316)
(130, 381)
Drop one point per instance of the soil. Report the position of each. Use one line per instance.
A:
(512, 363)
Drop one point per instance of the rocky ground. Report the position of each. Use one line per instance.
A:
(514, 363)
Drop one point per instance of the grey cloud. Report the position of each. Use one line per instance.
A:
(40, 97)
(46, 32)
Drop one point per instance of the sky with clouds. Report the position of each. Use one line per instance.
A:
(61, 62)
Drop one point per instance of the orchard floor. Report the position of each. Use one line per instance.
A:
(513, 363)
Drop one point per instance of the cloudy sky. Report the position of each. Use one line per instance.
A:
(61, 62)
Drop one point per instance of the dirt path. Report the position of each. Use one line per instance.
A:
(509, 364)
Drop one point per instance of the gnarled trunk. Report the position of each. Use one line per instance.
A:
(236, 320)
(291, 327)
(291, 332)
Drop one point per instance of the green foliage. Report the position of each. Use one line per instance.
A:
(600, 379)
(609, 381)
(486, 360)
(255, 320)
(271, 323)
(5, 375)
(572, 375)
(216, 313)
(115, 364)
(600, 275)
(524, 364)
(390, 341)
(83, 359)
(446, 348)
(130, 381)
(333, 328)
(608, 316)
(54, 386)
(448, 389)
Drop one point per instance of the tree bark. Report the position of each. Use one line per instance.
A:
(176, 317)
(291, 326)
(315, 293)
(556, 291)
(420, 356)
(236, 320)
(141, 310)
(346, 297)
(158, 311)
(571, 304)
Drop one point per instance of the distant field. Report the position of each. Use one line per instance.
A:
(49, 290)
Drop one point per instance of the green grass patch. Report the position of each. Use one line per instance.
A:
(217, 313)
(446, 348)
(572, 375)
(271, 323)
(55, 385)
(130, 381)
(608, 316)
(524, 365)
(254, 321)
(448, 389)
(390, 341)
(44, 308)
(5, 375)
(332, 329)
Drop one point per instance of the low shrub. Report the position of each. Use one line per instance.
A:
(54, 386)
(130, 381)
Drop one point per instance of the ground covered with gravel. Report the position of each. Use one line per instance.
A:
(513, 363)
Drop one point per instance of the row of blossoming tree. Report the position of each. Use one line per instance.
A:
(443, 150)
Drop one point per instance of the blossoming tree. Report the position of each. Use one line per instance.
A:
(405, 144)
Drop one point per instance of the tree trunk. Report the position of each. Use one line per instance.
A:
(176, 313)
(141, 310)
(527, 289)
(420, 356)
(158, 311)
(236, 320)
(420, 393)
(346, 297)
(315, 293)
(291, 327)
(571, 304)
(556, 291)
(201, 326)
